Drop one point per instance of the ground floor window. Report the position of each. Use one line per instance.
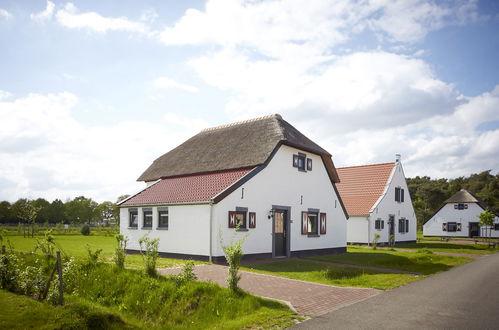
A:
(163, 217)
(496, 226)
(310, 223)
(379, 224)
(403, 225)
(451, 226)
(237, 219)
(133, 216)
(147, 218)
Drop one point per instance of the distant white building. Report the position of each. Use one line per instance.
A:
(458, 217)
(378, 202)
(261, 174)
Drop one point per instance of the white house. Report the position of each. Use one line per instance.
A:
(378, 202)
(263, 174)
(458, 217)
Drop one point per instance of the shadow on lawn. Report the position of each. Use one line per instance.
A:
(443, 246)
(421, 263)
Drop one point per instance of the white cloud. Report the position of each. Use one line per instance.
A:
(46, 152)
(276, 28)
(70, 17)
(5, 14)
(4, 95)
(167, 83)
(44, 15)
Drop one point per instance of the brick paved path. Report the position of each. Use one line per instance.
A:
(306, 298)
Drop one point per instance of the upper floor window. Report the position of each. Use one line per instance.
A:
(399, 194)
(460, 206)
(163, 217)
(301, 162)
(133, 216)
(147, 218)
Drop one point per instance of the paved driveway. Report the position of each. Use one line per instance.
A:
(306, 298)
(465, 297)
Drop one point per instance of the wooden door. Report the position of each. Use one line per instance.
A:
(280, 234)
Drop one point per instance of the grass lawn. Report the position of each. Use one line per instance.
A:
(450, 247)
(21, 312)
(76, 246)
(332, 275)
(424, 263)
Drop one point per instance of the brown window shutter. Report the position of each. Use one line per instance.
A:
(444, 226)
(304, 223)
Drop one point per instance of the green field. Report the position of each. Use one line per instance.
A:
(76, 246)
(449, 247)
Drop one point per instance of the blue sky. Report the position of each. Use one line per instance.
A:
(92, 91)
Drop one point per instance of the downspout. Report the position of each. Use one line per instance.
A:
(369, 230)
(211, 232)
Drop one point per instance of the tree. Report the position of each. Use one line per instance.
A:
(81, 210)
(107, 212)
(121, 198)
(27, 211)
(56, 211)
(43, 205)
(487, 221)
(5, 212)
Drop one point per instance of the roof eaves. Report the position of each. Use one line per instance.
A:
(140, 191)
(385, 190)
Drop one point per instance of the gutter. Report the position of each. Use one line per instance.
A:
(210, 252)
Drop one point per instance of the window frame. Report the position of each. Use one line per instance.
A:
(132, 212)
(496, 226)
(160, 211)
(403, 225)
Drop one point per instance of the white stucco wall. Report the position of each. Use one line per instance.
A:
(188, 229)
(448, 213)
(385, 207)
(357, 228)
(282, 184)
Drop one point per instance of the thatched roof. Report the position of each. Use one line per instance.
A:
(462, 196)
(239, 145)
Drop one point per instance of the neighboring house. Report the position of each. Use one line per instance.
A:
(378, 202)
(262, 175)
(458, 217)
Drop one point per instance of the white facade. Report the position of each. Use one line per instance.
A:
(466, 218)
(279, 184)
(362, 229)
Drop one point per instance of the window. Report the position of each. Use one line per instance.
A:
(312, 224)
(240, 219)
(379, 224)
(399, 194)
(460, 206)
(147, 213)
(133, 216)
(163, 217)
(451, 226)
(496, 226)
(237, 219)
(403, 225)
(300, 161)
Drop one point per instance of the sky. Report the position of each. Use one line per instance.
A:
(91, 92)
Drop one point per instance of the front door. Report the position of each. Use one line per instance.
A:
(474, 229)
(280, 234)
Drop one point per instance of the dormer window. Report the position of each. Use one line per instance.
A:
(461, 206)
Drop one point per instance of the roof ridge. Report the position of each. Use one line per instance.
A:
(276, 115)
(366, 165)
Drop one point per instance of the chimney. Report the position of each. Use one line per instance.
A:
(397, 158)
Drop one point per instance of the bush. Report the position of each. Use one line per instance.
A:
(375, 241)
(150, 255)
(120, 252)
(85, 230)
(233, 254)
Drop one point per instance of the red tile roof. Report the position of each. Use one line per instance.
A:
(187, 189)
(361, 186)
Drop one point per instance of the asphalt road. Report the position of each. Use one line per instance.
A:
(466, 297)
